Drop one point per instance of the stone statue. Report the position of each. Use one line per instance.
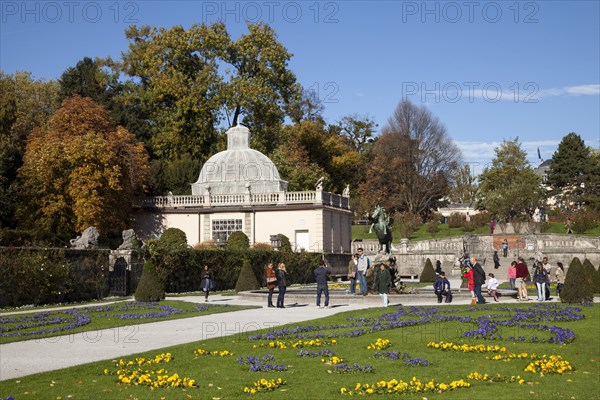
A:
(382, 223)
(319, 185)
(130, 240)
(346, 192)
(87, 240)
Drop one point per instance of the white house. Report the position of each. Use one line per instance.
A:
(240, 189)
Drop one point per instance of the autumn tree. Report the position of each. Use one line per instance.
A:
(509, 189)
(80, 170)
(310, 150)
(412, 162)
(25, 104)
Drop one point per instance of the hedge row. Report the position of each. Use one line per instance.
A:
(47, 276)
(180, 270)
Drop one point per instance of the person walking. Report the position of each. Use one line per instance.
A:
(505, 248)
(512, 274)
(478, 280)
(522, 273)
(438, 267)
(548, 268)
(441, 287)
(470, 283)
(205, 281)
(282, 284)
(559, 277)
(271, 279)
(384, 280)
(321, 275)
(496, 260)
(540, 277)
(492, 286)
(363, 265)
(352, 273)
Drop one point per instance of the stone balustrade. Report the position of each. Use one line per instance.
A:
(254, 199)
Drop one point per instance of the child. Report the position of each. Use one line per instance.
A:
(492, 286)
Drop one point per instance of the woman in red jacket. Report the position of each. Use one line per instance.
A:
(471, 283)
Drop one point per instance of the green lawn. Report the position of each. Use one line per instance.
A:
(43, 324)
(222, 376)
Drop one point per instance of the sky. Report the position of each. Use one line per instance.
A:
(488, 70)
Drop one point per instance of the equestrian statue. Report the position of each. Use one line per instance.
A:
(382, 224)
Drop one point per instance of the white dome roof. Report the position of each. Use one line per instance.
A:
(238, 169)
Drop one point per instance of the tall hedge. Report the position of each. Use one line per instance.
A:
(428, 274)
(578, 286)
(247, 278)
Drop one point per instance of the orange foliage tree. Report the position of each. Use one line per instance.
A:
(80, 170)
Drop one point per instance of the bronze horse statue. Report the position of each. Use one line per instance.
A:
(382, 225)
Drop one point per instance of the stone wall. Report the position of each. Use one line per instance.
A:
(411, 256)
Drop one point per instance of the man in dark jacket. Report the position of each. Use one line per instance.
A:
(441, 286)
(321, 273)
(478, 280)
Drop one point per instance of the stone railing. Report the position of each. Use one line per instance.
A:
(247, 199)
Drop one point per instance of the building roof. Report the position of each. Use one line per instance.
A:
(238, 169)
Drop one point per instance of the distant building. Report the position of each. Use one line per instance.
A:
(240, 189)
(542, 171)
(460, 208)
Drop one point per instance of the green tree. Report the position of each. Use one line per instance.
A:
(86, 80)
(412, 163)
(260, 86)
(190, 79)
(80, 170)
(359, 130)
(569, 170)
(173, 176)
(25, 104)
(591, 194)
(509, 189)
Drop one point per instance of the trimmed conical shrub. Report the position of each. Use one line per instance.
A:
(150, 288)
(591, 275)
(428, 274)
(578, 287)
(247, 280)
(597, 290)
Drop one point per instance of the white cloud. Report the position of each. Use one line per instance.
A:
(581, 90)
(480, 154)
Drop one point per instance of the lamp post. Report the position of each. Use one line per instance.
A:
(221, 239)
(275, 242)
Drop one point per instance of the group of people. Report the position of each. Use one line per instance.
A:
(542, 275)
(276, 278)
(475, 275)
